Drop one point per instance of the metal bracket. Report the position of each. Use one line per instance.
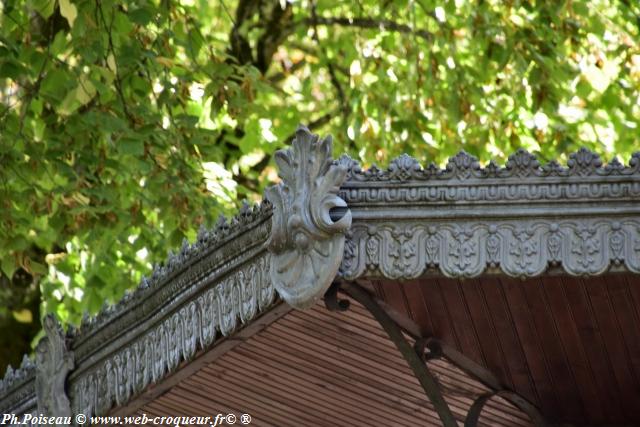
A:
(415, 361)
(433, 348)
(426, 349)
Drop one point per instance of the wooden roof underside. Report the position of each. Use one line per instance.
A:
(317, 368)
(569, 345)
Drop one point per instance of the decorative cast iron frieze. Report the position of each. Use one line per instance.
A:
(154, 289)
(463, 181)
(306, 242)
(465, 167)
(209, 289)
(520, 219)
(220, 310)
(17, 388)
(519, 248)
(54, 361)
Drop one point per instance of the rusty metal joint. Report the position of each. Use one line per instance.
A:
(428, 348)
(331, 300)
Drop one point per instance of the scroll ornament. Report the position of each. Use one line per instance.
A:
(53, 363)
(306, 243)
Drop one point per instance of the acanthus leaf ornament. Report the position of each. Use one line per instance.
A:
(54, 361)
(516, 247)
(306, 243)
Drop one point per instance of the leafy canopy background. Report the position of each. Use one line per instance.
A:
(124, 126)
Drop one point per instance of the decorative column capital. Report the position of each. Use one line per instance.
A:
(307, 241)
(54, 361)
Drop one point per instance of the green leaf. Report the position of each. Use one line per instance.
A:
(36, 106)
(10, 68)
(134, 147)
(55, 84)
(141, 16)
(81, 95)
(59, 43)
(8, 265)
(44, 7)
(37, 268)
(68, 10)
(23, 315)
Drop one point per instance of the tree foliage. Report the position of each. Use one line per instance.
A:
(124, 126)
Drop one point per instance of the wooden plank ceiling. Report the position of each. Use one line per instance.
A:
(317, 368)
(569, 345)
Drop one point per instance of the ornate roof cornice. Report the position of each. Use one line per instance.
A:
(521, 219)
(406, 249)
(466, 168)
(208, 290)
(208, 242)
(17, 388)
(130, 364)
(464, 189)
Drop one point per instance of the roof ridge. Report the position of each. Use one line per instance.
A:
(206, 241)
(14, 377)
(520, 164)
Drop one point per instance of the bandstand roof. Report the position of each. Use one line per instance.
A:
(520, 282)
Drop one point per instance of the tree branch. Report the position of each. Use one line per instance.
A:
(281, 75)
(344, 106)
(239, 45)
(276, 30)
(118, 77)
(381, 24)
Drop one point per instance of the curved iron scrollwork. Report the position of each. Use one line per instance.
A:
(432, 348)
(473, 416)
(425, 349)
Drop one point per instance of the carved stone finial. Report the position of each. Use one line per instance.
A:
(522, 164)
(463, 165)
(583, 162)
(404, 168)
(53, 363)
(306, 242)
